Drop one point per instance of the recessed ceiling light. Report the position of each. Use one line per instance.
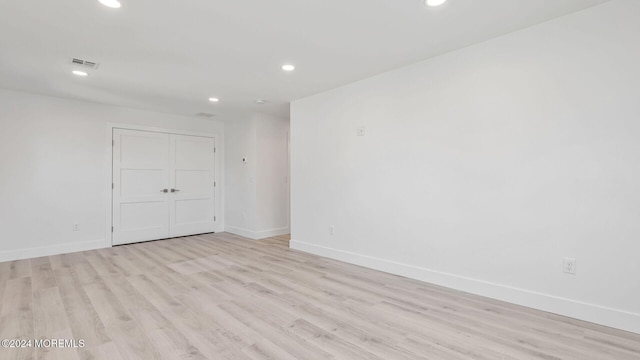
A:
(111, 3)
(260, 101)
(79, 73)
(213, 99)
(288, 67)
(434, 2)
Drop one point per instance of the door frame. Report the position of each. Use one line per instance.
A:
(217, 168)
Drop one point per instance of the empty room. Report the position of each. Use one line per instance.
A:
(336, 179)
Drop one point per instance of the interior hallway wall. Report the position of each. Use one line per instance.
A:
(54, 170)
(483, 168)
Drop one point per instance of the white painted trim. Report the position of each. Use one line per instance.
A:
(616, 318)
(240, 231)
(53, 250)
(218, 168)
(256, 235)
(159, 129)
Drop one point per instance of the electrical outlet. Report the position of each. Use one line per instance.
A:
(569, 265)
(332, 230)
(75, 227)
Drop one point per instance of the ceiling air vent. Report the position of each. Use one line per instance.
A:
(85, 63)
(205, 115)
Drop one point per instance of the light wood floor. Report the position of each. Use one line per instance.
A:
(225, 297)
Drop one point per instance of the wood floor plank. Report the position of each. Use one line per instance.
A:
(276, 333)
(108, 351)
(172, 344)
(266, 350)
(166, 338)
(332, 343)
(50, 322)
(16, 318)
(86, 273)
(81, 314)
(42, 273)
(221, 296)
(147, 315)
(199, 332)
(19, 268)
(124, 265)
(66, 260)
(130, 339)
(4, 278)
(101, 265)
(234, 333)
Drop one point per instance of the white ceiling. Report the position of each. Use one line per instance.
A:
(171, 55)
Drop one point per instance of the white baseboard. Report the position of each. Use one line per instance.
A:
(256, 235)
(615, 318)
(52, 250)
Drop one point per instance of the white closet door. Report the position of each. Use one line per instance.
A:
(140, 177)
(192, 175)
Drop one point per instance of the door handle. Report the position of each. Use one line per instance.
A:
(164, 190)
(174, 190)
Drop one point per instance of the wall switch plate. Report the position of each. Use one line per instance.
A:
(332, 230)
(569, 265)
(75, 227)
(361, 131)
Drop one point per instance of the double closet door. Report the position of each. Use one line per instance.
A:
(163, 185)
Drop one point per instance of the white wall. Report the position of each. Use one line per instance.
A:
(272, 175)
(481, 169)
(54, 170)
(257, 192)
(241, 177)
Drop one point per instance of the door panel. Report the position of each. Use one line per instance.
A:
(142, 215)
(146, 163)
(142, 148)
(196, 181)
(142, 182)
(193, 211)
(192, 208)
(140, 173)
